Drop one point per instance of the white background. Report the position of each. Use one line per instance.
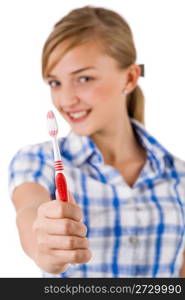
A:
(159, 33)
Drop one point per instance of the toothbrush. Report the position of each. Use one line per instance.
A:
(60, 180)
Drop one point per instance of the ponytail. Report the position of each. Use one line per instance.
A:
(135, 104)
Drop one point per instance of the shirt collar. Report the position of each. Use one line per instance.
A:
(80, 149)
(156, 153)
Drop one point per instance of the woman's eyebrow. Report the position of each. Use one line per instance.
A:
(81, 70)
(74, 72)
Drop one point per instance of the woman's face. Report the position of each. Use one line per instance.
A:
(87, 89)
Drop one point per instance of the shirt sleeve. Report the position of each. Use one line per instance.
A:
(32, 164)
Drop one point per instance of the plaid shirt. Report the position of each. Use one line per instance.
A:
(136, 231)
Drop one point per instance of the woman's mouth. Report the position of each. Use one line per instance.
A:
(78, 116)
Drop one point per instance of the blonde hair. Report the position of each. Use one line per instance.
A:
(105, 26)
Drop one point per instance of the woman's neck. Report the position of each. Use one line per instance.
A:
(119, 145)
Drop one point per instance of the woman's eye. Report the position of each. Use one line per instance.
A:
(53, 83)
(85, 78)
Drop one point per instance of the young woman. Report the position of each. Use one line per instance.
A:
(125, 217)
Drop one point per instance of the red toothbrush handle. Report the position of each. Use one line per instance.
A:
(61, 185)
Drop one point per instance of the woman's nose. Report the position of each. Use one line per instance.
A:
(68, 96)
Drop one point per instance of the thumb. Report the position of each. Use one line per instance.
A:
(70, 197)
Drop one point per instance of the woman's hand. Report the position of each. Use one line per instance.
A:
(60, 235)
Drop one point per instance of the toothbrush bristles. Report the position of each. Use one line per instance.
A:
(53, 132)
(52, 124)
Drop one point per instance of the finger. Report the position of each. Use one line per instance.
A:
(58, 210)
(72, 200)
(64, 227)
(62, 242)
(70, 197)
(71, 256)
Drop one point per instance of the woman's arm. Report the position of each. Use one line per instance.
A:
(26, 199)
(51, 232)
(182, 272)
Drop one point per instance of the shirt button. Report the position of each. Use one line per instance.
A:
(138, 208)
(133, 240)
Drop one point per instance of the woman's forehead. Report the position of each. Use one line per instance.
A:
(87, 55)
(87, 50)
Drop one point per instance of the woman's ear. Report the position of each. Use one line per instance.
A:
(132, 75)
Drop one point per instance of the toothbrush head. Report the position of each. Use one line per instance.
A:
(52, 124)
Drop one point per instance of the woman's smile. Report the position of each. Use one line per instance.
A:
(78, 116)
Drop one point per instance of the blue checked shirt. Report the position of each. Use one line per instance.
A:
(136, 231)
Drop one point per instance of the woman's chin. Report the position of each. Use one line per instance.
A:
(82, 131)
